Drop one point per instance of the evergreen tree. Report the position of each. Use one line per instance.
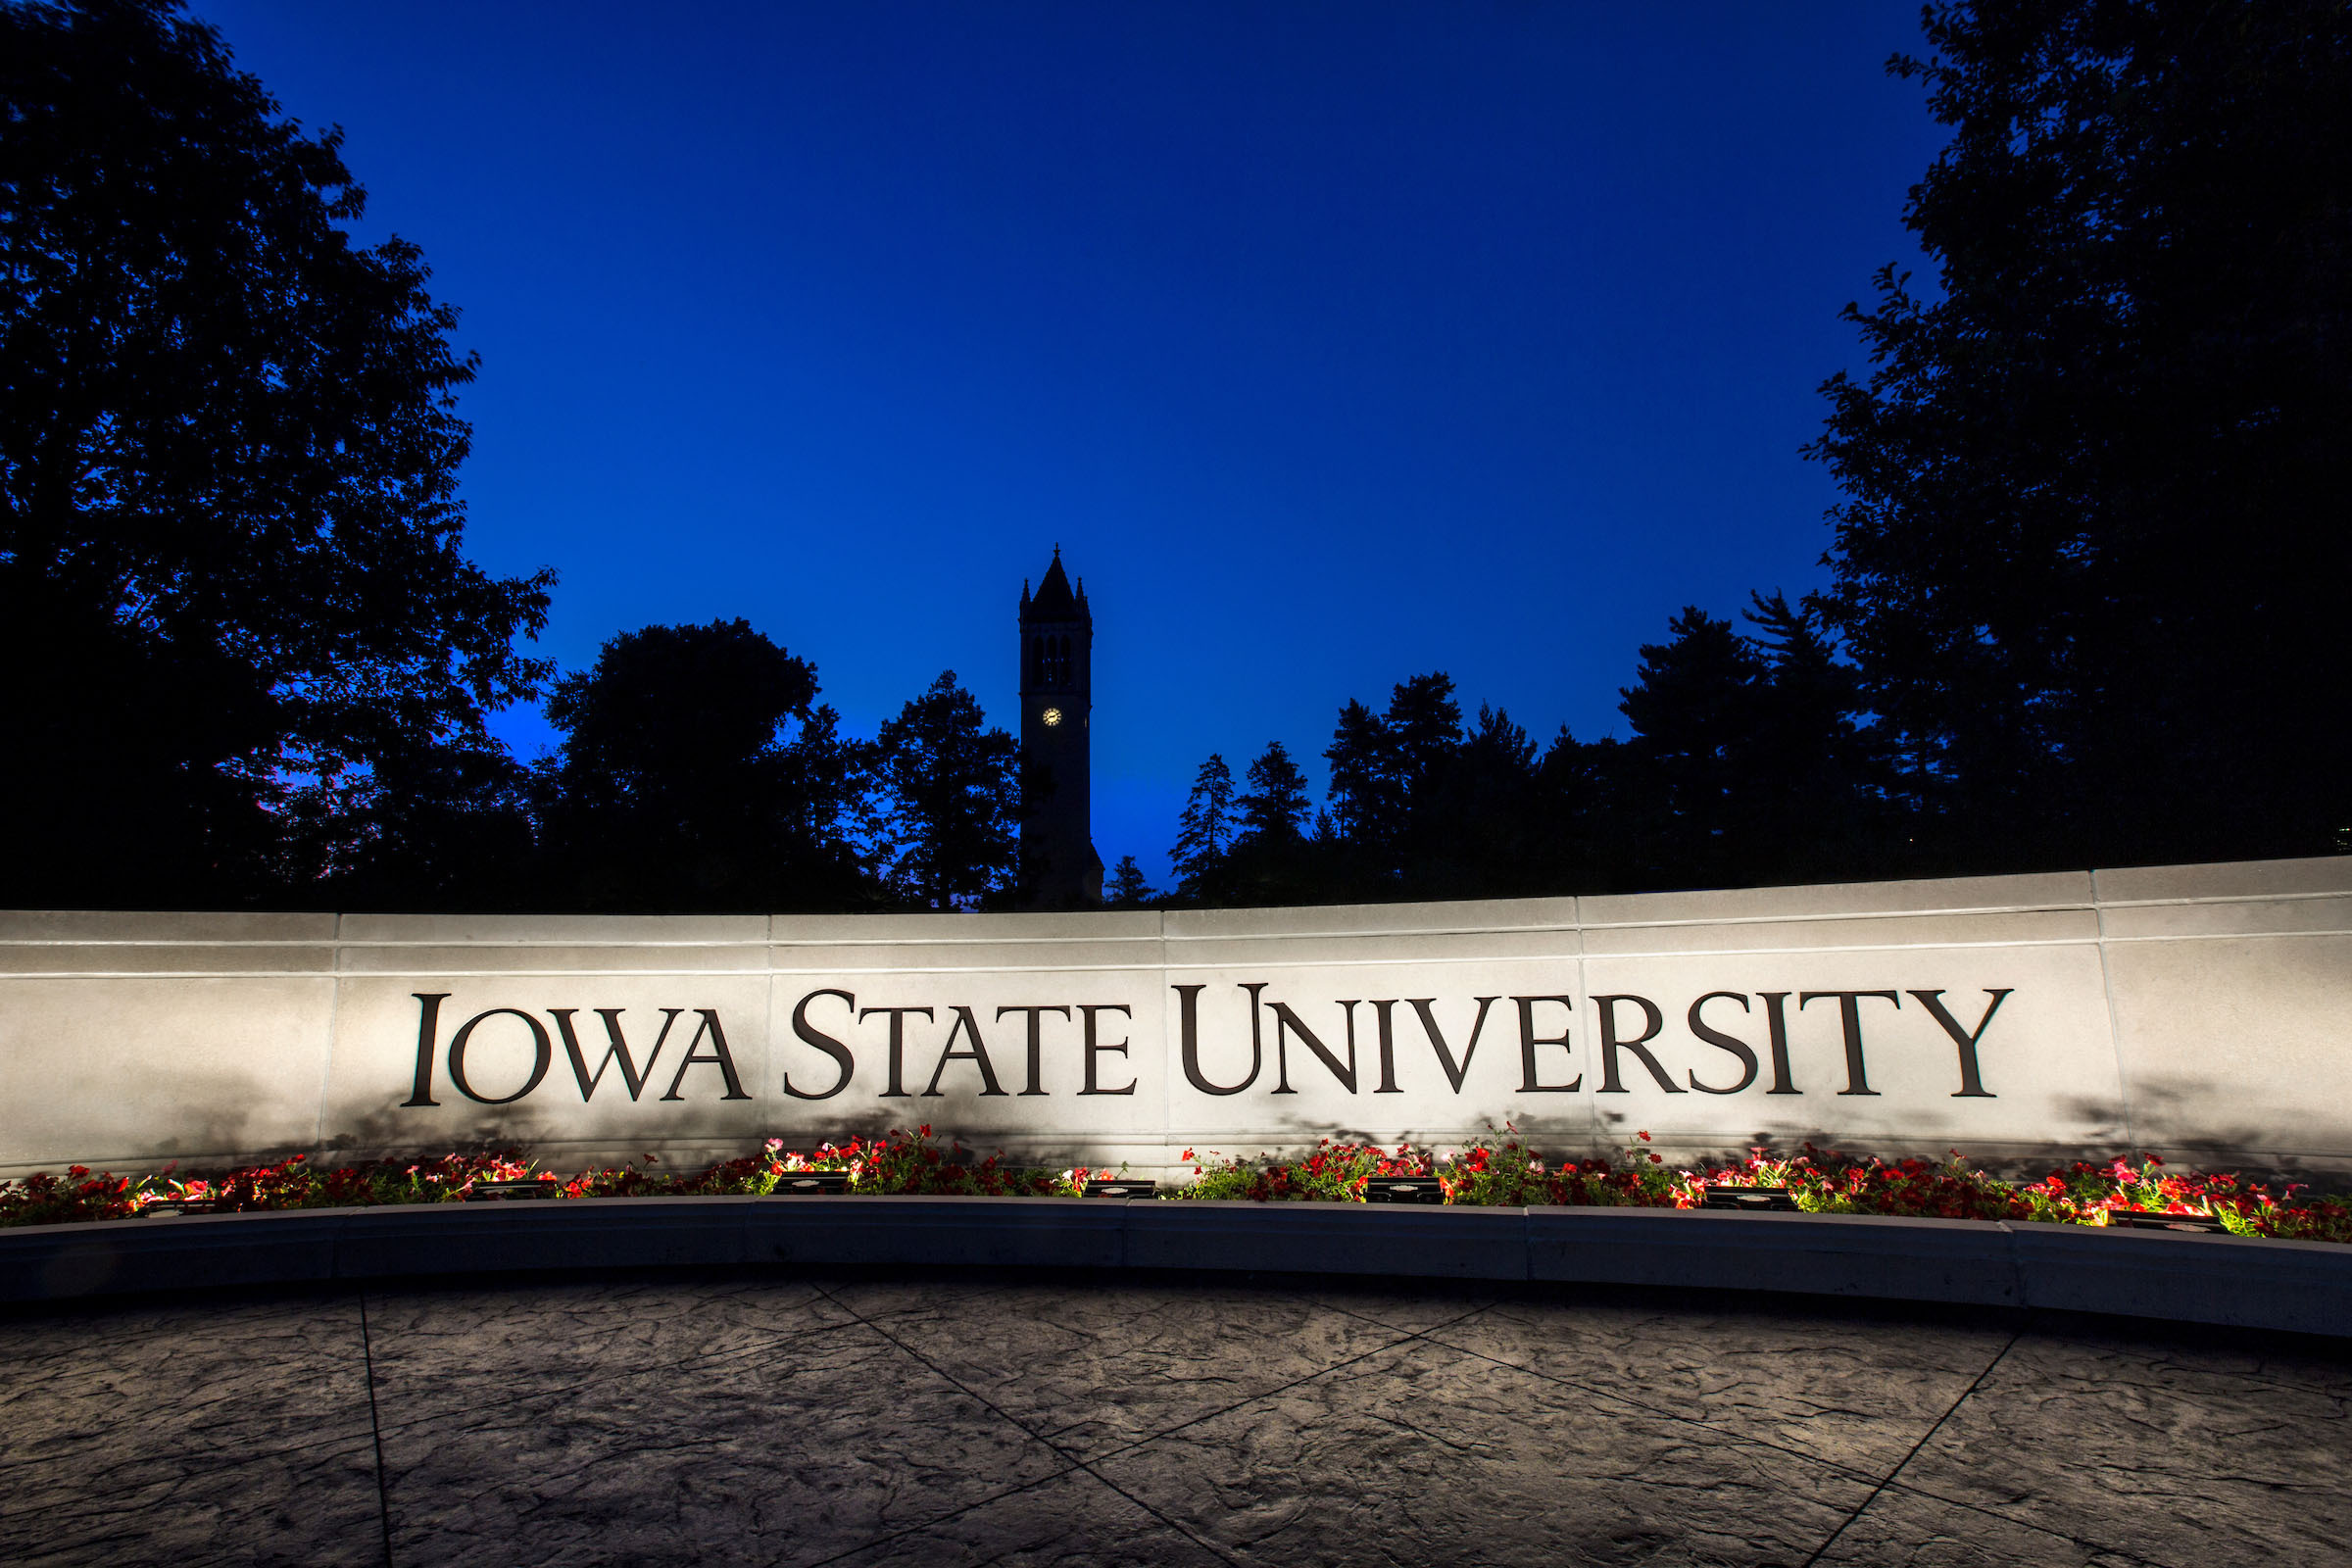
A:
(1579, 840)
(1275, 808)
(1690, 710)
(1271, 860)
(1205, 830)
(1476, 827)
(1815, 787)
(1362, 812)
(951, 787)
(1128, 890)
(1423, 730)
(1382, 770)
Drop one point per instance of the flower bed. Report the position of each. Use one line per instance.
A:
(1504, 1172)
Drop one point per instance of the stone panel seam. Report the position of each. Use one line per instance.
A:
(389, 974)
(1584, 1011)
(2229, 935)
(2115, 1033)
(1851, 947)
(1826, 917)
(1387, 962)
(975, 941)
(2196, 899)
(770, 1055)
(327, 1069)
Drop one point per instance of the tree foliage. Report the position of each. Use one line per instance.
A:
(2092, 545)
(1204, 830)
(696, 773)
(1745, 764)
(230, 536)
(953, 800)
(1127, 890)
(1274, 809)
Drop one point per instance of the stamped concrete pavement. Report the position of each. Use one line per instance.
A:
(756, 1418)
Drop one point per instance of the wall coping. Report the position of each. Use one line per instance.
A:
(2221, 883)
(2238, 1282)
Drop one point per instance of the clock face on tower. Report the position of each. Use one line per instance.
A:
(1052, 716)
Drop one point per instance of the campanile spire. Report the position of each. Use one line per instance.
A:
(1059, 868)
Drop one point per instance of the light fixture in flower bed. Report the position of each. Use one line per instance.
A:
(1120, 1187)
(173, 1207)
(1405, 1190)
(520, 1190)
(1754, 1200)
(2140, 1220)
(812, 1184)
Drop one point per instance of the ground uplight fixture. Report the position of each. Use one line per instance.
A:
(1120, 1187)
(812, 1184)
(2136, 1220)
(1752, 1200)
(521, 1189)
(1405, 1190)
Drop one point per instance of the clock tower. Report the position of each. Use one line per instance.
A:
(1059, 868)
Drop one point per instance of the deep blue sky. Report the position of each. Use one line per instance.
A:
(1334, 343)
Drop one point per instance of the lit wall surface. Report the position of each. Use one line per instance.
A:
(2197, 1011)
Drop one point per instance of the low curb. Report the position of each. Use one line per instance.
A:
(2298, 1287)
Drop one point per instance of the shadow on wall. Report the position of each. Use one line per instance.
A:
(2178, 1118)
(226, 1127)
(558, 1143)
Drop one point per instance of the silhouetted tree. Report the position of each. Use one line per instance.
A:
(441, 828)
(1271, 860)
(1205, 830)
(1478, 826)
(1128, 890)
(1691, 708)
(676, 788)
(1384, 772)
(2092, 555)
(230, 535)
(1578, 840)
(1274, 809)
(1816, 787)
(953, 788)
(832, 788)
(1360, 804)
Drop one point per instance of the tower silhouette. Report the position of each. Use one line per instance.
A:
(1059, 868)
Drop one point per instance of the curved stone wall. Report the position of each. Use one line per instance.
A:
(2197, 1011)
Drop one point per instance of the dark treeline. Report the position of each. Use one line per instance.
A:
(2084, 603)
(1745, 765)
(697, 772)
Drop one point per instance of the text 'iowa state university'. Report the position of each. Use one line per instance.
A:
(1356, 1052)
